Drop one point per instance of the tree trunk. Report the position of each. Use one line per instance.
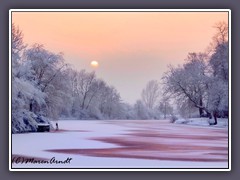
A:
(209, 115)
(200, 109)
(83, 102)
(31, 105)
(165, 111)
(215, 117)
(200, 112)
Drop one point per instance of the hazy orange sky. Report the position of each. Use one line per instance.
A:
(130, 47)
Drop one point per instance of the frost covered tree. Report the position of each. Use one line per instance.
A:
(203, 79)
(150, 94)
(141, 110)
(110, 103)
(44, 87)
(17, 44)
(186, 109)
(92, 97)
(18, 48)
(219, 52)
(46, 74)
(197, 68)
(189, 81)
(219, 62)
(164, 105)
(38, 84)
(218, 90)
(221, 36)
(23, 91)
(165, 108)
(84, 81)
(45, 65)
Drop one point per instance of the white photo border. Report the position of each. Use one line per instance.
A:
(118, 169)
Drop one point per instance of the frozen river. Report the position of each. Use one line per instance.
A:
(122, 144)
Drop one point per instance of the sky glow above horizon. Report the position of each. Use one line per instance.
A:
(131, 48)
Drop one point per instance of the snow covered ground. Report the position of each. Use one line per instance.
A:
(124, 144)
(222, 122)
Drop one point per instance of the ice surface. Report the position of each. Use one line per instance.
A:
(79, 134)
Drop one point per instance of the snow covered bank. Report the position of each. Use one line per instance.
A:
(222, 122)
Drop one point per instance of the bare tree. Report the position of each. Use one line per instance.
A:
(17, 43)
(221, 35)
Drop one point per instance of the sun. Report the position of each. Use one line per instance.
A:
(94, 64)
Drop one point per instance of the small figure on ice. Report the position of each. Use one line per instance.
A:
(56, 126)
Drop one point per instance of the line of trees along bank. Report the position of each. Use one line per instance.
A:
(44, 87)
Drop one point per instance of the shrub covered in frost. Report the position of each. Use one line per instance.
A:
(26, 121)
